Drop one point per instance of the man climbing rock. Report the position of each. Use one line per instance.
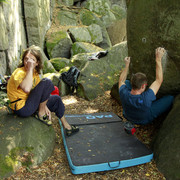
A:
(140, 105)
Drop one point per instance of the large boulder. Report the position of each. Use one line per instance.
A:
(3, 63)
(95, 33)
(115, 92)
(90, 34)
(58, 44)
(38, 20)
(87, 18)
(12, 36)
(99, 75)
(167, 146)
(22, 23)
(79, 60)
(4, 33)
(117, 30)
(66, 2)
(83, 47)
(152, 24)
(59, 63)
(80, 34)
(103, 9)
(67, 18)
(23, 142)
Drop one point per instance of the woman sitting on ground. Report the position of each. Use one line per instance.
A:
(29, 95)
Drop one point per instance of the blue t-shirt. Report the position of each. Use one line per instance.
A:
(136, 108)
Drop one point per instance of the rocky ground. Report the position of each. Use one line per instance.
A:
(56, 167)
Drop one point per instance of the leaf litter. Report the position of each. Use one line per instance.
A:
(56, 167)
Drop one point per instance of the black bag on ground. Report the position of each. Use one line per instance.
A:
(70, 77)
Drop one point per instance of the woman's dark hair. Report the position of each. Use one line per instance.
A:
(137, 80)
(37, 55)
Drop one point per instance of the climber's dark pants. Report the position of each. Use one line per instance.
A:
(39, 94)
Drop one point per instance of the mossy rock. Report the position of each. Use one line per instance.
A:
(3, 98)
(23, 142)
(58, 44)
(80, 34)
(150, 25)
(48, 68)
(82, 47)
(118, 11)
(87, 18)
(95, 33)
(67, 18)
(166, 144)
(59, 63)
(100, 75)
(101, 7)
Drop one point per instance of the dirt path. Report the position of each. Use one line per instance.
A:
(56, 167)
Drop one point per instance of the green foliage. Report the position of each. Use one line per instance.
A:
(54, 39)
(59, 63)
(47, 68)
(3, 98)
(18, 154)
(5, 166)
(1, 1)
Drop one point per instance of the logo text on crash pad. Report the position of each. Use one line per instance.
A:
(98, 116)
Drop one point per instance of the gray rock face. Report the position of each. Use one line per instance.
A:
(80, 34)
(22, 23)
(58, 44)
(150, 25)
(3, 63)
(37, 20)
(82, 47)
(99, 75)
(3, 34)
(23, 142)
(167, 146)
(67, 18)
(12, 38)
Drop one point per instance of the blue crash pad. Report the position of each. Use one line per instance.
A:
(102, 144)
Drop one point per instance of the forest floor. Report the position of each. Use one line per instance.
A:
(56, 167)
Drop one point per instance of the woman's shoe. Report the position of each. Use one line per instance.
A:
(73, 130)
(44, 119)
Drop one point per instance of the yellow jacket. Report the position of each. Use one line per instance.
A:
(14, 92)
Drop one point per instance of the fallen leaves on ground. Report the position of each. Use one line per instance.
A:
(57, 167)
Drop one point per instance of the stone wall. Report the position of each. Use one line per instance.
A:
(37, 15)
(12, 36)
(22, 24)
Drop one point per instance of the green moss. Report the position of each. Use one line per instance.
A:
(47, 68)
(67, 18)
(1, 1)
(8, 164)
(59, 63)
(80, 91)
(53, 39)
(3, 98)
(65, 69)
(5, 166)
(76, 49)
(87, 18)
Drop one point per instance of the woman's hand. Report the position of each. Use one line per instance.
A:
(30, 64)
